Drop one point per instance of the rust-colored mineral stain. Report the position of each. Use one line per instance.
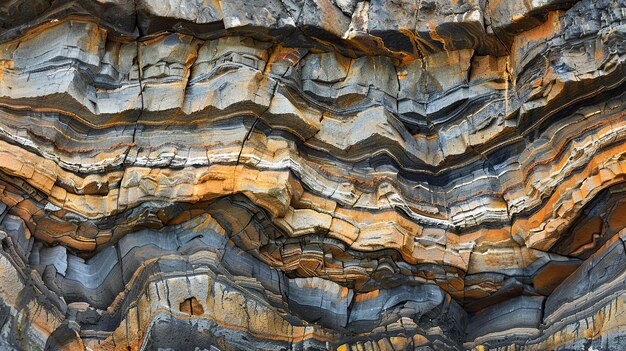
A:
(552, 275)
(617, 218)
(192, 307)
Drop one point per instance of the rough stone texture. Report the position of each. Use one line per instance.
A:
(312, 175)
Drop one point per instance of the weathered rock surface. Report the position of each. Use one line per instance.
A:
(312, 175)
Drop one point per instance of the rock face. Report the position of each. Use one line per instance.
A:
(312, 175)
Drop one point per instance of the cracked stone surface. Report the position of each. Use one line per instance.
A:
(313, 175)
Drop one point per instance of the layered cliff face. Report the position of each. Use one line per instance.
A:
(313, 175)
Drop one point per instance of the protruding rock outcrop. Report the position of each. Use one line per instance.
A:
(312, 175)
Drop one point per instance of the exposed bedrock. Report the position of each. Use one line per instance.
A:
(313, 175)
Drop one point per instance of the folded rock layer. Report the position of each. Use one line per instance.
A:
(313, 175)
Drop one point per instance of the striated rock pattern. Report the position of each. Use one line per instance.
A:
(313, 175)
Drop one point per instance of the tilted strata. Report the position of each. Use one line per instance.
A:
(313, 175)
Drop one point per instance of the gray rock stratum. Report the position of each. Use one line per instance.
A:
(313, 175)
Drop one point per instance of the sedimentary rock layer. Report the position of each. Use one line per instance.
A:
(312, 175)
